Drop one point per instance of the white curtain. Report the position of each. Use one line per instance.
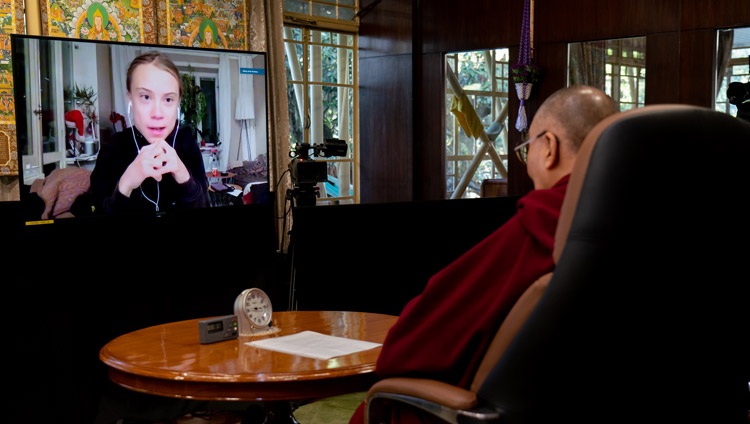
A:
(121, 58)
(244, 111)
(726, 40)
(225, 104)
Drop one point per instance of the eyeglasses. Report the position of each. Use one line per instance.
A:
(522, 150)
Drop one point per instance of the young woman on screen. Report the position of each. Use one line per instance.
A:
(156, 164)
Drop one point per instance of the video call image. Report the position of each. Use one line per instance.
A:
(191, 132)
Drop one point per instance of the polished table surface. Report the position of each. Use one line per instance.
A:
(168, 360)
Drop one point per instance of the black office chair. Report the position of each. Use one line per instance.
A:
(646, 317)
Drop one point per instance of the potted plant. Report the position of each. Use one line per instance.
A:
(82, 97)
(525, 73)
(524, 76)
(85, 100)
(193, 103)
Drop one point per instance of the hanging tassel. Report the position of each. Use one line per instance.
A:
(521, 123)
(523, 90)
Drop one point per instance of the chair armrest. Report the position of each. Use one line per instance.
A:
(429, 390)
(450, 403)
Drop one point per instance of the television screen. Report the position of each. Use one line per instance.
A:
(92, 144)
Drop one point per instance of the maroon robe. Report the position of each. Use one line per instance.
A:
(443, 332)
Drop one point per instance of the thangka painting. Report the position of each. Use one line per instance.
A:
(13, 22)
(123, 20)
(207, 23)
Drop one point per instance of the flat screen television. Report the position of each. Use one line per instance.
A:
(71, 106)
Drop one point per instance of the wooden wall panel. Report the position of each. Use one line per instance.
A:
(386, 30)
(429, 150)
(696, 68)
(662, 67)
(386, 129)
(585, 20)
(680, 54)
(708, 14)
(450, 25)
(386, 102)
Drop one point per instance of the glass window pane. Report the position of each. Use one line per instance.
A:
(733, 84)
(48, 88)
(346, 14)
(293, 33)
(297, 6)
(330, 65)
(322, 106)
(323, 113)
(616, 66)
(296, 114)
(322, 37)
(324, 10)
(295, 64)
(476, 80)
(344, 122)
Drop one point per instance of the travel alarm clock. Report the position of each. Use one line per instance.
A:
(253, 310)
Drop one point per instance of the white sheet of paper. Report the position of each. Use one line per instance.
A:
(314, 345)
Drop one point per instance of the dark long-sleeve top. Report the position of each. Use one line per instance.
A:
(115, 157)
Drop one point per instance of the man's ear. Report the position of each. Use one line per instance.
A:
(552, 150)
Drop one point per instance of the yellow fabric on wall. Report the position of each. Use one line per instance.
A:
(467, 117)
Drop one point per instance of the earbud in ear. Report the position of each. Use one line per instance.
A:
(130, 104)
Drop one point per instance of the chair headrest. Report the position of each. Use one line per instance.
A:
(629, 122)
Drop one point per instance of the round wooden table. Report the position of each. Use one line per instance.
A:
(168, 360)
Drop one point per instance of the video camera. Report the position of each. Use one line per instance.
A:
(306, 172)
(738, 94)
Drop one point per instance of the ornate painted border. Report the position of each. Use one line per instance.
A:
(14, 23)
(8, 152)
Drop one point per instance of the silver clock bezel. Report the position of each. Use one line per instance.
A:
(246, 320)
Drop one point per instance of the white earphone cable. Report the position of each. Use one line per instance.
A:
(138, 149)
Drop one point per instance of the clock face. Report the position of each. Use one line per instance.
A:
(257, 307)
(253, 309)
